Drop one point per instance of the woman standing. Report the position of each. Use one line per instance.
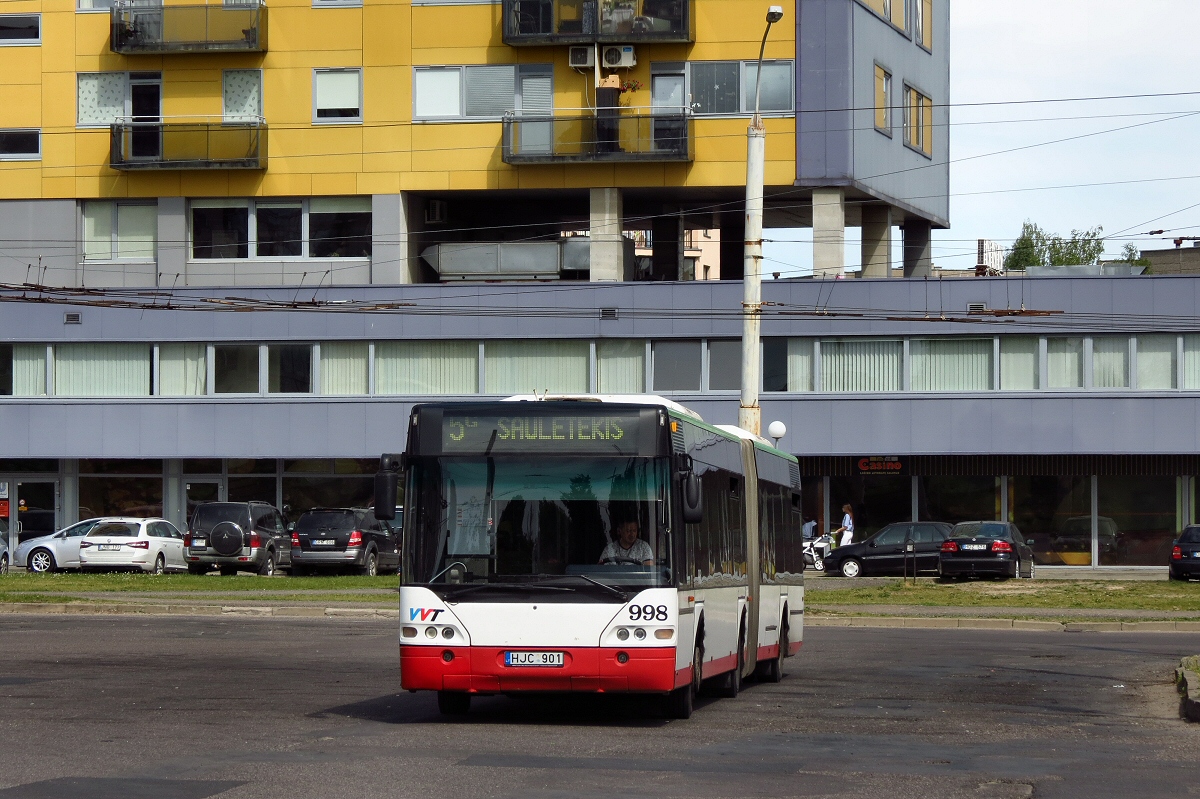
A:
(847, 528)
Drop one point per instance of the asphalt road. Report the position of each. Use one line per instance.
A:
(186, 708)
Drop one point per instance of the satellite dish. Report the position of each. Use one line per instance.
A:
(777, 430)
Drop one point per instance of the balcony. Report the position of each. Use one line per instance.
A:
(596, 21)
(601, 136)
(188, 145)
(224, 28)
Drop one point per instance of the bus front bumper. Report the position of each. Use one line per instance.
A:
(480, 669)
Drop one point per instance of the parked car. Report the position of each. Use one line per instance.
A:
(4, 559)
(325, 538)
(883, 553)
(150, 545)
(975, 549)
(237, 536)
(1185, 555)
(59, 550)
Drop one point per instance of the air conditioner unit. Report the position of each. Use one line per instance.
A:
(581, 57)
(619, 56)
(435, 212)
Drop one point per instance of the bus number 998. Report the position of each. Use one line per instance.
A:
(647, 613)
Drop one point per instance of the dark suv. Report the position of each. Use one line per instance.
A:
(237, 536)
(344, 537)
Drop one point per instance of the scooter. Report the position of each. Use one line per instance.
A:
(816, 550)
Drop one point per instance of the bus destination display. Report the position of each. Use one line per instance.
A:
(594, 433)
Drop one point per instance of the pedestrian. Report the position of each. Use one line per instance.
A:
(847, 528)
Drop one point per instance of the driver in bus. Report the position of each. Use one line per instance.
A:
(628, 547)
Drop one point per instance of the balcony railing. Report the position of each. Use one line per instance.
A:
(224, 28)
(188, 145)
(604, 134)
(603, 21)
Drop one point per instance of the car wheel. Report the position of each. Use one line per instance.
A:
(4, 564)
(196, 569)
(267, 569)
(41, 561)
(851, 568)
(454, 703)
(160, 565)
(370, 567)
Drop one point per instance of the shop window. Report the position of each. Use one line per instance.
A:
(289, 369)
(427, 367)
(620, 366)
(119, 231)
(252, 489)
(1019, 363)
(1110, 362)
(115, 495)
(344, 367)
(201, 465)
(949, 364)
(235, 369)
(676, 365)
(1064, 363)
(305, 493)
(725, 365)
(1139, 516)
(20, 145)
(251, 466)
(1156, 360)
(523, 367)
(337, 95)
(861, 366)
(116, 466)
(877, 501)
(102, 370)
(1055, 516)
(956, 499)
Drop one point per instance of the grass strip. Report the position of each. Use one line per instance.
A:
(119, 582)
(1081, 594)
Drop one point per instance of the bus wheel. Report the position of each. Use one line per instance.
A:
(731, 682)
(682, 701)
(774, 667)
(454, 703)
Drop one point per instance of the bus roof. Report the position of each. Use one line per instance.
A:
(623, 399)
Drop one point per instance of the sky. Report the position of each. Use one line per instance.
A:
(1054, 49)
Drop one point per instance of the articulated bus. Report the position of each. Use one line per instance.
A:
(598, 544)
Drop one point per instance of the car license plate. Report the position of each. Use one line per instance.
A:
(322, 542)
(110, 547)
(552, 659)
(198, 543)
(974, 546)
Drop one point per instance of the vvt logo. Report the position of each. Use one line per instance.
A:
(425, 614)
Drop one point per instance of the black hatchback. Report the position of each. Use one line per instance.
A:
(976, 549)
(1185, 555)
(884, 552)
(328, 538)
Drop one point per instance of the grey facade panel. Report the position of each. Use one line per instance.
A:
(824, 80)
(39, 234)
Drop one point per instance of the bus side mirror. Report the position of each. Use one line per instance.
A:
(693, 506)
(387, 486)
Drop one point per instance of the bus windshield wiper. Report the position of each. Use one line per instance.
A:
(467, 589)
(615, 591)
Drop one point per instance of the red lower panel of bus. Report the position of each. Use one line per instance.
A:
(482, 669)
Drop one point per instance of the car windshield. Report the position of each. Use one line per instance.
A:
(115, 530)
(209, 516)
(995, 530)
(327, 521)
(518, 520)
(1190, 535)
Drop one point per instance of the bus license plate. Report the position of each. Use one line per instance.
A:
(552, 659)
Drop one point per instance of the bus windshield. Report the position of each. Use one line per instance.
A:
(509, 520)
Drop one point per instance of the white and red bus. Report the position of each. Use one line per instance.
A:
(598, 544)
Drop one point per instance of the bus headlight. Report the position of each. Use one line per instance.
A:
(448, 632)
(639, 634)
(431, 632)
(622, 634)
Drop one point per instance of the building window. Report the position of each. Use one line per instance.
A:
(20, 29)
(1064, 363)
(101, 98)
(883, 100)
(241, 95)
(102, 370)
(725, 365)
(336, 3)
(727, 87)
(1019, 363)
(861, 366)
(482, 92)
(525, 367)
(337, 95)
(182, 370)
(289, 369)
(427, 367)
(1156, 360)
(119, 231)
(950, 364)
(677, 365)
(918, 121)
(890, 10)
(1110, 362)
(20, 145)
(94, 5)
(322, 227)
(924, 26)
(787, 364)
(23, 370)
(235, 369)
(345, 367)
(621, 366)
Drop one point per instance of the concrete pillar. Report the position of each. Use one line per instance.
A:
(876, 241)
(829, 232)
(394, 249)
(172, 242)
(733, 245)
(667, 252)
(604, 228)
(918, 248)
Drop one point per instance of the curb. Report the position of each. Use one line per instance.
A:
(910, 622)
(240, 611)
(1187, 680)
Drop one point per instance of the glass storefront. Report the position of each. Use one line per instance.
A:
(1138, 519)
(956, 499)
(1056, 513)
(877, 501)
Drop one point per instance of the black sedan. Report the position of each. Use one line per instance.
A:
(1185, 555)
(883, 553)
(976, 549)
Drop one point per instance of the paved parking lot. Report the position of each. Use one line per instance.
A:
(189, 708)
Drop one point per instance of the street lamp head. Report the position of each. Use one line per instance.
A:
(774, 14)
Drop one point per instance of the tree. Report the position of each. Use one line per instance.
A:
(1133, 256)
(1036, 247)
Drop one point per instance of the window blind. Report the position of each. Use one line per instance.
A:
(182, 370)
(1191, 362)
(1110, 362)
(1156, 362)
(97, 231)
(337, 93)
(948, 364)
(102, 370)
(242, 95)
(101, 97)
(426, 367)
(537, 93)
(29, 370)
(1019, 363)
(1064, 362)
(620, 367)
(137, 231)
(438, 93)
(344, 367)
(861, 365)
(522, 367)
(488, 90)
(799, 364)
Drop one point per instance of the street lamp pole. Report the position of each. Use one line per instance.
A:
(750, 414)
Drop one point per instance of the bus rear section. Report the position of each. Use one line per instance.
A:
(546, 549)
